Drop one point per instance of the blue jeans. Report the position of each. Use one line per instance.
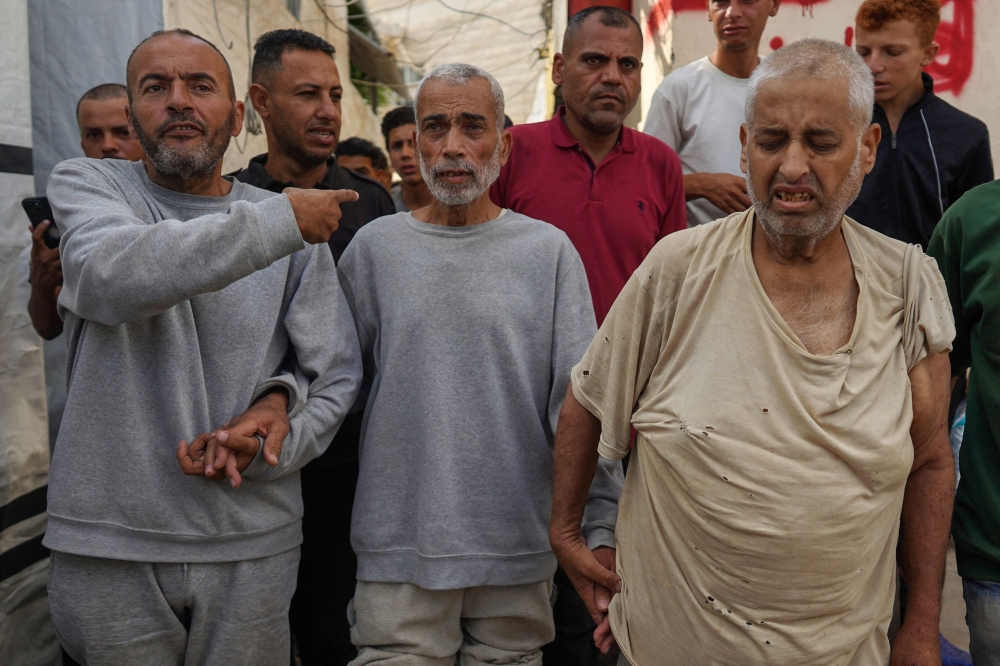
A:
(982, 614)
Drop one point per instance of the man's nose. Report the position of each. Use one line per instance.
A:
(454, 142)
(611, 74)
(735, 9)
(327, 109)
(179, 97)
(795, 166)
(108, 144)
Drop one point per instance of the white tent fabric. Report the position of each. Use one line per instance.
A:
(26, 633)
(74, 47)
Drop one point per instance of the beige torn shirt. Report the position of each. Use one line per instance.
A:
(760, 513)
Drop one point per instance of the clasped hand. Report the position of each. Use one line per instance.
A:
(593, 575)
(226, 452)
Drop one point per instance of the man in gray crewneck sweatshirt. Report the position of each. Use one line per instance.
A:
(188, 300)
(470, 318)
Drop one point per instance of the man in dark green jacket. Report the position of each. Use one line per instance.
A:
(966, 248)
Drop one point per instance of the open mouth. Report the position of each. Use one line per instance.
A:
(793, 197)
(182, 128)
(453, 175)
(322, 135)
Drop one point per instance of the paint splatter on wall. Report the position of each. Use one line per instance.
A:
(951, 69)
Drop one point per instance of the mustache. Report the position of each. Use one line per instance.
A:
(606, 89)
(449, 164)
(181, 118)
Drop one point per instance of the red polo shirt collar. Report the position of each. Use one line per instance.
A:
(562, 138)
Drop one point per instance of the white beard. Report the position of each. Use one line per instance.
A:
(816, 227)
(460, 194)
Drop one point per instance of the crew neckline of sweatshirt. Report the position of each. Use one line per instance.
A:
(175, 198)
(440, 230)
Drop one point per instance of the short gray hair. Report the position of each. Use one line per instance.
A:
(458, 74)
(818, 58)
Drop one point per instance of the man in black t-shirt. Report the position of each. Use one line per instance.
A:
(296, 90)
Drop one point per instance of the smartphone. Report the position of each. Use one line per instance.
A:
(38, 209)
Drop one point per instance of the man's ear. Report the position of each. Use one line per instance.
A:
(240, 111)
(743, 150)
(775, 4)
(260, 97)
(869, 147)
(558, 62)
(930, 53)
(506, 142)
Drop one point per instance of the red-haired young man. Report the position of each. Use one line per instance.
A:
(930, 153)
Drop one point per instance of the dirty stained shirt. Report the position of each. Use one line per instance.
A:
(759, 519)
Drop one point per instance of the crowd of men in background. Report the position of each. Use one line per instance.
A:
(373, 424)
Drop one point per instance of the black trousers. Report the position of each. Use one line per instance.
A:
(574, 642)
(328, 568)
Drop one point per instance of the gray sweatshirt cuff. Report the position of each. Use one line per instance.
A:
(601, 513)
(296, 401)
(600, 536)
(258, 466)
(279, 232)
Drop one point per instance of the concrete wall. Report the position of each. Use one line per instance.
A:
(964, 72)
(236, 42)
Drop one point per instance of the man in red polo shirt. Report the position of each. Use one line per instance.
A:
(614, 191)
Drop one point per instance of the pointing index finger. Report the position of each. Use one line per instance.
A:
(343, 196)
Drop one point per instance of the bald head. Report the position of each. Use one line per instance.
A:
(610, 17)
(183, 39)
(811, 59)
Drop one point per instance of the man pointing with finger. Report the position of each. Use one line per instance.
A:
(191, 302)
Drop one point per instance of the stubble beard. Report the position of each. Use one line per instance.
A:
(286, 138)
(177, 166)
(465, 193)
(602, 121)
(801, 231)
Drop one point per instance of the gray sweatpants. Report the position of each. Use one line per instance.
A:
(112, 612)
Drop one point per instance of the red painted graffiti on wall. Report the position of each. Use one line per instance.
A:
(951, 69)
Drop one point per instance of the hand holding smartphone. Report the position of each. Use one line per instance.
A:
(38, 211)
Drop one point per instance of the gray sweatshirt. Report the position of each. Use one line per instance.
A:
(468, 336)
(179, 310)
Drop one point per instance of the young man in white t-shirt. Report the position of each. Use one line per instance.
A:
(698, 109)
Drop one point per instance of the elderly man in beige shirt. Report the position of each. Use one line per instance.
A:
(786, 374)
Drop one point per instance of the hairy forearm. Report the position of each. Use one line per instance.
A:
(44, 316)
(926, 525)
(577, 436)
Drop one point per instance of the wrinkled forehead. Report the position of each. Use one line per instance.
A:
(801, 103)
(452, 100)
(175, 54)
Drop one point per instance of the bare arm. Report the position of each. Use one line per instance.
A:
(576, 456)
(46, 283)
(926, 520)
(724, 190)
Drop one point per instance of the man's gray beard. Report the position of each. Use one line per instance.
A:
(461, 194)
(173, 164)
(816, 227)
